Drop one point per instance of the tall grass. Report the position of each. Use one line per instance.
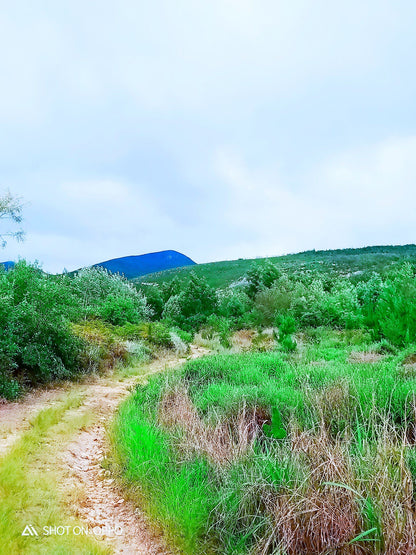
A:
(305, 453)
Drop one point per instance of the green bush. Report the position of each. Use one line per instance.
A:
(396, 307)
(261, 276)
(103, 348)
(184, 336)
(190, 308)
(120, 310)
(101, 294)
(39, 342)
(154, 299)
(287, 327)
(154, 333)
(9, 388)
(234, 305)
(36, 341)
(221, 326)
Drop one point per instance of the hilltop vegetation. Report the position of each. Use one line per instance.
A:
(270, 295)
(341, 261)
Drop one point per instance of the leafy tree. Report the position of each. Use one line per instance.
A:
(171, 288)
(11, 209)
(190, 308)
(154, 299)
(120, 310)
(234, 305)
(261, 276)
(36, 342)
(107, 295)
(396, 307)
(368, 294)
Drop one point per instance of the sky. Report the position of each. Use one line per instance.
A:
(222, 129)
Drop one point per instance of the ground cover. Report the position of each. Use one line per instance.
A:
(301, 452)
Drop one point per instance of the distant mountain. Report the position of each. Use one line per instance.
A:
(135, 266)
(7, 265)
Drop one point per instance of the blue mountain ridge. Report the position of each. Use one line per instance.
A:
(7, 265)
(142, 264)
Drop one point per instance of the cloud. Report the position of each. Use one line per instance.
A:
(352, 199)
(101, 192)
(109, 124)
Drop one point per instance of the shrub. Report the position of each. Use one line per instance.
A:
(396, 307)
(102, 348)
(234, 305)
(287, 326)
(221, 326)
(120, 310)
(9, 388)
(261, 276)
(154, 299)
(185, 336)
(102, 294)
(190, 308)
(154, 333)
(36, 339)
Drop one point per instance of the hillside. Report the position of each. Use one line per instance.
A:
(340, 261)
(7, 265)
(134, 266)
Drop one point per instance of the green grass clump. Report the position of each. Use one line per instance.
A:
(318, 431)
(178, 492)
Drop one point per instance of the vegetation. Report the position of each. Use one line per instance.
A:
(332, 262)
(28, 489)
(310, 452)
(58, 327)
(10, 209)
(299, 438)
(307, 448)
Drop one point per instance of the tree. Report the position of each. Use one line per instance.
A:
(261, 276)
(11, 209)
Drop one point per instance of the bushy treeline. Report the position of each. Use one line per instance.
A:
(53, 327)
(39, 340)
(383, 304)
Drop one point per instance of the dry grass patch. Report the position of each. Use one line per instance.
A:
(227, 441)
(241, 340)
(365, 357)
(319, 517)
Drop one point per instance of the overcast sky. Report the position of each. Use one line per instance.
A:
(220, 128)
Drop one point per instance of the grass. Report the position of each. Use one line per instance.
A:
(339, 262)
(301, 453)
(29, 492)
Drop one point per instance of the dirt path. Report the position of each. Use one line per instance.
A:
(86, 486)
(15, 417)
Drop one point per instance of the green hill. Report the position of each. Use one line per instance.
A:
(340, 261)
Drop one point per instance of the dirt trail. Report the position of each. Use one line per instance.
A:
(15, 416)
(94, 498)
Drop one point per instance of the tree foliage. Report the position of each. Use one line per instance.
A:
(10, 209)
